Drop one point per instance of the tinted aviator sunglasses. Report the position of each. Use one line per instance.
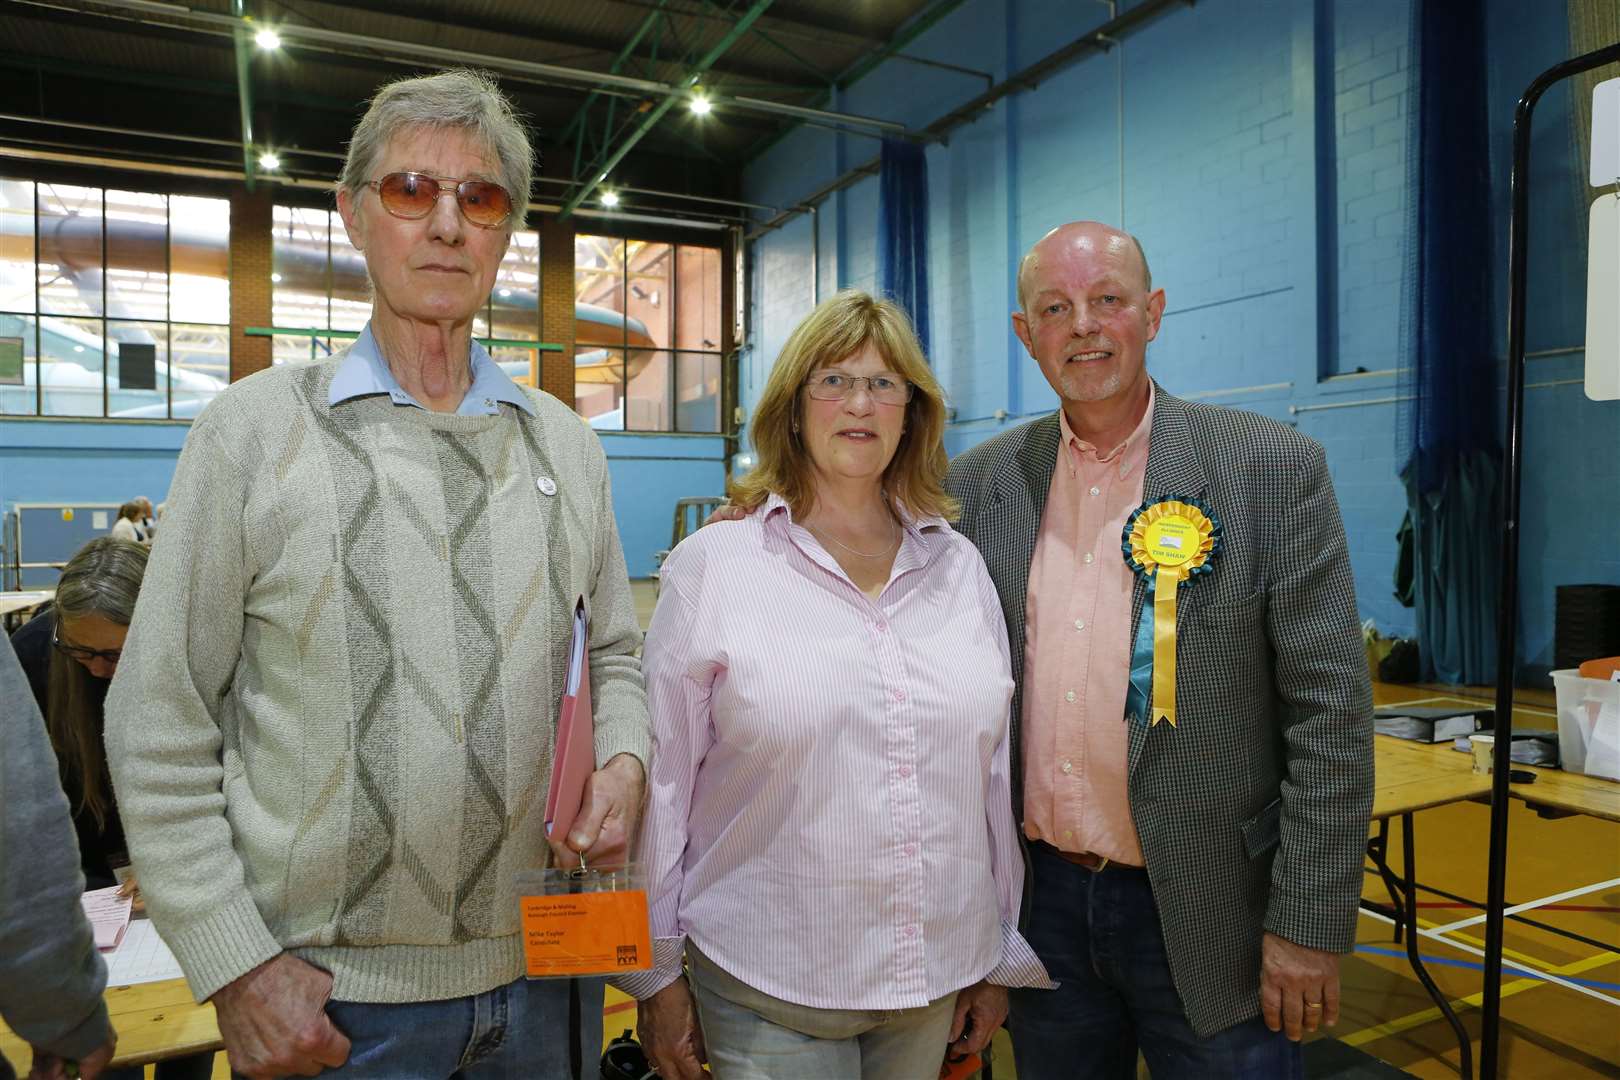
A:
(413, 195)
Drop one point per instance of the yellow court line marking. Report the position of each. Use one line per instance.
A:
(1517, 986)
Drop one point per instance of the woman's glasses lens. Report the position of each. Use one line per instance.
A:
(413, 195)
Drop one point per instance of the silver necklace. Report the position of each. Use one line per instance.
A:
(865, 555)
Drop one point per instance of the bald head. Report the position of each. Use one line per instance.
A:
(1080, 237)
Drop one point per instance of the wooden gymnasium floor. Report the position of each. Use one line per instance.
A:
(1549, 1032)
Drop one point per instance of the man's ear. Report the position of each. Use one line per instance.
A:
(350, 213)
(1155, 312)
(1020, 325)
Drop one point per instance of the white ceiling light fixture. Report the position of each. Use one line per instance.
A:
(275, 279)
(267, 39)
(700, 105)
(268, 160)
(610, 198)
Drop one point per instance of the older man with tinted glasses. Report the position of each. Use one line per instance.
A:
(334, 717)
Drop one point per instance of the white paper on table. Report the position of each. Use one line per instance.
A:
(108, 914)
(142, 958)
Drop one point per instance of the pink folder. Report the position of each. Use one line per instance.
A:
(574, 758)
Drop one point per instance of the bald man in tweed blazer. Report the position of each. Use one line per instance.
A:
(1251, 812)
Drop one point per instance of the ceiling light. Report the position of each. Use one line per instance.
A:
(700, 105)
(268, 160)
(610, 198)
(275, 279)
(267, 39)
(506, 292)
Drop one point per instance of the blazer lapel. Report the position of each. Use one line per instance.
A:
(1173, 470)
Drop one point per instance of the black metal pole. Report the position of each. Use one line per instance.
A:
(1508, 602)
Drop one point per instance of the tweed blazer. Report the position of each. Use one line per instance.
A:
(1253, 810)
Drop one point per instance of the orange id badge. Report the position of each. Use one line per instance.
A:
(584, 922)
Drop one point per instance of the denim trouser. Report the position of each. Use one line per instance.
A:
(751, 1035)
(1099, 936)
(520, 1031)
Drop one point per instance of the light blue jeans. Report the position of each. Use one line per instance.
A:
(548, 1029)
(753, 1036)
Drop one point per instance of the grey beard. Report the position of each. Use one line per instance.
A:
(1072, 389)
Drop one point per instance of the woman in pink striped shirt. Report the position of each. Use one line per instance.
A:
(829, 835)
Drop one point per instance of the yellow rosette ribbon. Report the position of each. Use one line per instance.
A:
(1169, 542)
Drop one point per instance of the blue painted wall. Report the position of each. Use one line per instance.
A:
(53, 461)
(1271, 196)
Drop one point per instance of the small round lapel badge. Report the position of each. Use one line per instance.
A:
(547, 485)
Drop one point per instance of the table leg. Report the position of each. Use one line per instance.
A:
(1408, 914)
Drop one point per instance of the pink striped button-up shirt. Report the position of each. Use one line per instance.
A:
(1077, 651)
(829, 815)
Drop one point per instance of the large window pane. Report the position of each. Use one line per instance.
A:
(291, 348)
(647, 403)
(697, 391)
(599, 291)
(201, 367)
(647, 293)
(71, 364)
(137, 255)
(137, 368)
(69, 249)
(17, 391)
(599, 387)
(16, 246)
(300, 268)
(351, 287)
(199, 260)
(697, 298)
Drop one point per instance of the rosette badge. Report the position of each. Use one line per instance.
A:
(1170, 543)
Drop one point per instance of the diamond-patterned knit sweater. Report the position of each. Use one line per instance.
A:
(332, 725)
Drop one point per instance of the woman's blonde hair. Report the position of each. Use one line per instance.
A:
(103, 579)
(837, 329)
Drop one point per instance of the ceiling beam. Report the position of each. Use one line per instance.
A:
(244, 95)
(409, 52)
(430, 14)
(778, 24)
(602, 166)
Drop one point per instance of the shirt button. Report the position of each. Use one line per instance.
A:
(880, 627)
(899, 695)
(911, 849)
(1079, 624)
(910, 931)
(1096, 490)
(1068, 834)
(1069, 696)
(489, 403)
(1089, 556)
(905, 772)
(1068, 766)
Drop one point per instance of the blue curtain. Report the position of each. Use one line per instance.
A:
(1447, 431)
(903, 231)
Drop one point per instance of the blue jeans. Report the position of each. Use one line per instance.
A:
(1099, 936)
(525, 1030)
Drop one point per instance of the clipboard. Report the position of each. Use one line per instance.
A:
(574, 758)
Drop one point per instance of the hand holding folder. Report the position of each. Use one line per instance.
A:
(574, 758)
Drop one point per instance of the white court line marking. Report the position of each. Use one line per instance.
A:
(1477, 919)
(1467, 701)
(1508, 966)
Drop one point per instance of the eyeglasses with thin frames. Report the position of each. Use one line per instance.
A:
(83, 653)
(413, 195)
(836, 386)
